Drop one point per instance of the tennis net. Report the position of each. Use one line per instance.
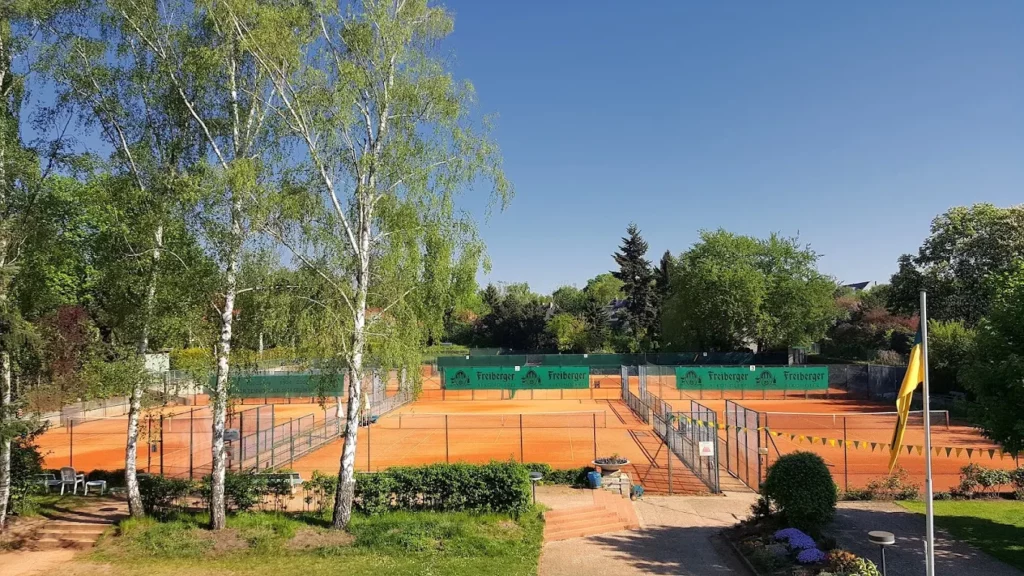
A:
(425, 421)
(802, 421)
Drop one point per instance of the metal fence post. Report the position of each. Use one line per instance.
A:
(71, 446)
(669, 454)
(522, 456)
(846, 460)
(161, 444)
(149, 444)
(447, 456)
(595, 436)
(258, 438)
(367, 443)
(191, 421)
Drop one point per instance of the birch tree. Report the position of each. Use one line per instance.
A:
(113, 79)
(226, 97)
(389, 144)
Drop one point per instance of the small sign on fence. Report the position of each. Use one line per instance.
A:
(707, 449)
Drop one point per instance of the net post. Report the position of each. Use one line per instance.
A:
(258, 436)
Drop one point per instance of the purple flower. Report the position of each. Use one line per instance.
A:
(810, 556)
(787, 533)
(801, 542)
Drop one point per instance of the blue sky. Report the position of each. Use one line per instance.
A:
(852, 124)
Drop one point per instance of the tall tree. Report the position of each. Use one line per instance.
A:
(637, 280)
(996, 362)
(388, 142)
(109, 75)
(729, 292)
(968, 246)
(201, 51)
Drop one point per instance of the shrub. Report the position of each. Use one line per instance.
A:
(841, 561)
(496, 487)
(761, 509)
(801, 487)
(319, 491)
(969, 481)
(26, 462)
(810, 556)
(160, 494)
(575, 477)
(796, 539)
(990, 479)
(895, 486)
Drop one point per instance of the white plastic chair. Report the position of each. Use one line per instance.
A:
(68, 477)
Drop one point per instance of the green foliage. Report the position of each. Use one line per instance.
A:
(967, 245)
(993, 526)
(895, 486)
(575, 477)
(569, 333)
(638, 286)
(26, 462)
(502, 487)
(976, 478)
(949, 346)
(728, 291)
(517, 319)
(995, 364)
(801, 487)
(161, 495)
(843, 563)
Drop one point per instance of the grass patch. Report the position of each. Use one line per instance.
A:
(42, 504)
(265, 543)
(994, 526)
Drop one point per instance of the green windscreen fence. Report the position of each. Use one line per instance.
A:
(517, 378)
(752, 377)
(284, 385)
(608, 360)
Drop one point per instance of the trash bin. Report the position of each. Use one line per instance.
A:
(594, 479)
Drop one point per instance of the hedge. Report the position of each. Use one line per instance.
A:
(502, 487)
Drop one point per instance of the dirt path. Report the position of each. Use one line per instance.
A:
(678, 535)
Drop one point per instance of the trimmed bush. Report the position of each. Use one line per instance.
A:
(801, 487)
(575, 477)
(160, 494)
(502, 487)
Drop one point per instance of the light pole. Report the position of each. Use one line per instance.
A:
(534, 478)
(883, 539)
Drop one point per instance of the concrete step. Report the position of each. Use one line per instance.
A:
(554, 514)
(68, 543)
(75, 531)
(579, 532)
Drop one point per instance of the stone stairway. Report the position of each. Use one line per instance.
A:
(79, 528)
(609, 513)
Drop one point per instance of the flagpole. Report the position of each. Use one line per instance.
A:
(929, 556)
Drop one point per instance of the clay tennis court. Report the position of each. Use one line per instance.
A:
(854, 466)
(561, 433)
(185, 444)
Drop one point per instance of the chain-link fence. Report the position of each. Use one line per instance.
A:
(743, 444)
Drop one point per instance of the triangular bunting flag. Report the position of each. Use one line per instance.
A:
(958, 451)
(910, 449)
(948, 452)
(811, 439)
(970, 451)
(873, 446)
(839, 443)
(991, 453)
(824, 441)
(938, 451)
(919, 450)
(856, 444)
(999, 451)
(792, 437)
(831, 442)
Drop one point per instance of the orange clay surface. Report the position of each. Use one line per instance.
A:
(560, 433)
(854, 467)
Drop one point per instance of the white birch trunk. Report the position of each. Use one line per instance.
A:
(346, 474)
(5, 441)
(138, 389)
(220, 393)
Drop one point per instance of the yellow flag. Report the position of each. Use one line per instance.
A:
(958, 452)
(911, 380)
(920, 449)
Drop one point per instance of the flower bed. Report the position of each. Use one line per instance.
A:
(774, 551)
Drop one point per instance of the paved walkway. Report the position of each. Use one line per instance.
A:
(855, 519)
(678, 535)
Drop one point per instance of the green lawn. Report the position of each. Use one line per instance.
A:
(400, 543)
(995, 526)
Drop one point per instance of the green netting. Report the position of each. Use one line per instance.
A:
(747, 377)
(524, 378)
(284, 385)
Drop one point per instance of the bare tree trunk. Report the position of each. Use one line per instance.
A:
(260, 356)
(138, 389)
(5, 441)
(220, 394)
